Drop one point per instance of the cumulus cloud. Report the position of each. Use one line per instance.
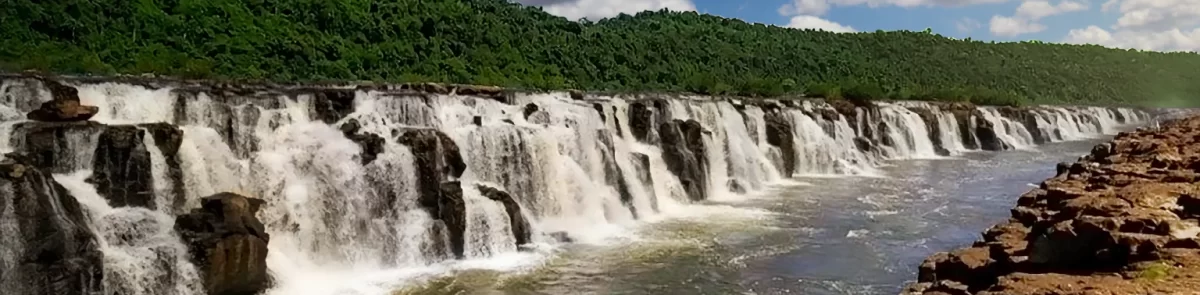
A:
(598, 9)
(1160, 25)
(1025, 19)
(817, 23)
(819, 7)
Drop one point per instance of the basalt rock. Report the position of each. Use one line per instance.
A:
(985, 133)
(933, 129)
(641, 120)
(612, 172)
(227, 243)
(780, 134)
(1099, 224)
(641, 167)
(438, 162)
(48, 247)
(331, 105)
(684, 152)
(64, 107)
(371, 144)
(520, 227)
(118, 156)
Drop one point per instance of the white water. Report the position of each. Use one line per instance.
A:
(341, 227)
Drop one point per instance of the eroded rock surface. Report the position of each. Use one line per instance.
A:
(1122, 220)
(46, 247)
(227, 243)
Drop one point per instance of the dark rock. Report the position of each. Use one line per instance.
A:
(57, 147)
(437, 162)
(864, 144)
(779, 134)
(641, 118)
(52, 251)
(641, 166)
(600, 110)
(451, 211)
(477, 120)
(331, 105)
(964, 118)
(684, 152)
(64, 107)
(530, 108)
(509, 121)
(371, 144)
(985, 132)
(576, 94)
(122, 168)
(520, 227)
(228, 244)
(612, 172)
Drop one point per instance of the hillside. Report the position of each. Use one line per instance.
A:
(500, 43)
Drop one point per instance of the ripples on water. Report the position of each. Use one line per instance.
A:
(821, 235)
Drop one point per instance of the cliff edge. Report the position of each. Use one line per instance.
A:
(1121, 220)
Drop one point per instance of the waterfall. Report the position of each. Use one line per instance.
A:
(366, 188)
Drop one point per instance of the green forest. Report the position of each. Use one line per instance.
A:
(496, 42)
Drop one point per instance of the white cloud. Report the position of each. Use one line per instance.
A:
(804, 7)
(966, 25)
(1025, 20)
(1035, 10)
(1013, 26)
(812, 22)
(1160, 25)
(598, 9)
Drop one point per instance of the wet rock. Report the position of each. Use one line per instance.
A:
(969, 140)
(600, 111)
(864, 144)
(52, 250)
(331, 105)
(641, 120)
(641, 166)
(985, 133)
(736, 186)
(228, 244)
(780, 134)
(451, 211)
(118, 156)
(933, 129)
(437, 161)
(576, 94)
(477, 120)
(612, 172)
(530, 108)
(370, 143)
(64, 107)
(520, 227)
(684, 152)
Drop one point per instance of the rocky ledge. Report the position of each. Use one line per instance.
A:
(1121, 220)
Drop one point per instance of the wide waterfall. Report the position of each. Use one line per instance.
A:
(364, 188)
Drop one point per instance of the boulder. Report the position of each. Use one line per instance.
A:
(227, 243)
(51, 249)
(985, 133)
(331, 105)
(451, 211)
(63, 107)
(641, 118)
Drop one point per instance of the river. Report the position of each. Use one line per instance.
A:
(821, 235)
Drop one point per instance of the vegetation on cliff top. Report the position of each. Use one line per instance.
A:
(496, 42)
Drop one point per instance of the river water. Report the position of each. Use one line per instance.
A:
(828, 235)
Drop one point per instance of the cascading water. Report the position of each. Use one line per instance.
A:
(366, 188)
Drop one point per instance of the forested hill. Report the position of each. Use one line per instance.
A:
(500, 43)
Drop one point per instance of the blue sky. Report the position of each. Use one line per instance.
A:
(1164, 25)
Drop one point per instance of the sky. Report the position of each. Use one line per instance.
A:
(1159, 25)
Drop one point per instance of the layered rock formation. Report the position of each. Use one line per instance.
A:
(1121, 220)
(227, 243)
(47, 246)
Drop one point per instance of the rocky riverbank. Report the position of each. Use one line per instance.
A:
(1121, 220)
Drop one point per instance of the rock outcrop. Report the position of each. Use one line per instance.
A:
(47, 246)
(684, 152)
(64, 105)
(227, 243)
(780, 134)
(520, 227)
(438, 162)
(1123, 220)
(118, 156)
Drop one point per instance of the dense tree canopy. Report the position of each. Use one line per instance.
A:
(500, 43)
